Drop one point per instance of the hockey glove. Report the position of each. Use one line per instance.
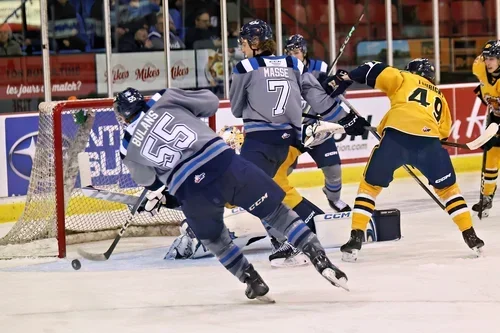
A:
(337, 84)
(157, 199)
(317, 132)
(354, 124)
(490, 143)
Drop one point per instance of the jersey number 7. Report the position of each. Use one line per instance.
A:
(419, 95)
(283, 88)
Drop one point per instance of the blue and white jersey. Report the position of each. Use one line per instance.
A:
(168, 144)
(316, 68)
(266, 92)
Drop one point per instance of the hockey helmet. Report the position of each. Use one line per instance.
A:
(128, 103)
(255, 31)
(491, 49)
(422, 67)
(296, 42)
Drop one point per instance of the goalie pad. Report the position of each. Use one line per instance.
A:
(333, 229)
(188, 246)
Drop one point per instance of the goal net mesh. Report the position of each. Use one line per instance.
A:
(98, 133)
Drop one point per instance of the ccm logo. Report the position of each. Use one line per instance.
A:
(258, 202)
(442, 179)
(332, 153)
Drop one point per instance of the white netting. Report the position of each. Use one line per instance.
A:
(86, 219)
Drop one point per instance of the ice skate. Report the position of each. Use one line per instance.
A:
(285, 255)
(339, 206)
(486, 203)
(325, 267)
(472, 241)
(351, 248)
(256, 287)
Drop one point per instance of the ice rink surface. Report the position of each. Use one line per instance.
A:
(427, 282)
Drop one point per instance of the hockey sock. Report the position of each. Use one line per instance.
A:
(333, 182)
(364, 205)
(456, 206)
(229, 255)
(289, 223)
(306, 211)
(490, 174)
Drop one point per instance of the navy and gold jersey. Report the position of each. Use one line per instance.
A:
(417, 106)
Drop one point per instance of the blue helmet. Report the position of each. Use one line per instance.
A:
(256, 31)
(128, 103)
(296, 42)
(422, 67)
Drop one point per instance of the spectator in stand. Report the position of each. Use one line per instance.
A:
(202, 35)
(175, 11)
(66, 26)
(157, 31)
(140, 14)
(137, 42)
(8, 46)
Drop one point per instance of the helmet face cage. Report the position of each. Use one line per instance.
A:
(422, 67)
(491, 49)
(296, 42)
(254, 32)
(128, 103)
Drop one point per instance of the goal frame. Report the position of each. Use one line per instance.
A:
(58, 111)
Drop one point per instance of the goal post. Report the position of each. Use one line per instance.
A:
(56, 212)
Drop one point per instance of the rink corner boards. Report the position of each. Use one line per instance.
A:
(351, 173)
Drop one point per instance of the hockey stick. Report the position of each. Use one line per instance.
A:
(481, 195)
(342, 48)
(105, 256)
(477, 143)
(92, 192)
(490, 132)
(414, 176)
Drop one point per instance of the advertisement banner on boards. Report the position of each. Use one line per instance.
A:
(20, 145)
(21, 135)
(145, 71)
(71, 74)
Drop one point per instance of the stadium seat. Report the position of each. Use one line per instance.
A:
(424, 15)
(469, 18)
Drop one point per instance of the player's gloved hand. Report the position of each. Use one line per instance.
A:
(157, 199)
(354, 124)
(337, 84)
(490, 143)
(187, 245)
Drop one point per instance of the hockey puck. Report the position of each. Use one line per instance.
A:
(76, 264)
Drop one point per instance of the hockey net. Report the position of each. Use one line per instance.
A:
(56, 212)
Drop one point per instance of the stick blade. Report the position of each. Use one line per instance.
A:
(92, 256)
(490, 132)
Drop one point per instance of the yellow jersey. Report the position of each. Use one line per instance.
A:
(489, 85)
(417, 106)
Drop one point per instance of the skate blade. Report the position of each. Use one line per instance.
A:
(266, 299)
(329, 274)
(478, 251)
(485, 213)
(350, 257)
(296, 261)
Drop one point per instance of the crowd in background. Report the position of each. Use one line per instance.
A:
(136, 25)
